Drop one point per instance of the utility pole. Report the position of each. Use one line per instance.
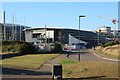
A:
(20, 32)
(25, 25)
(4, 25)
(13, 31)
(45, 37)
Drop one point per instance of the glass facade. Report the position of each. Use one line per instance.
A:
(13, 32)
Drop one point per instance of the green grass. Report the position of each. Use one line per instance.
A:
(67, 61)
(31, 61)
(89, 69)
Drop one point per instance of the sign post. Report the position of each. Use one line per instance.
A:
(57, 72)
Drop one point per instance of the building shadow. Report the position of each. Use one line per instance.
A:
(10, 71)
(4, 56)
(72, 53)
(23, 72)
(91, 78)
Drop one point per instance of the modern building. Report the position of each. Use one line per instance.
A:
(63, 36)
(117, 33)
(106, 32)
(104, 29)
(12, 32)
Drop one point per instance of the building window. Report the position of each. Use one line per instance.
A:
(34, 36)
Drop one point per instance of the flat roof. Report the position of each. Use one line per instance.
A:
(29, 29)
(10, 24)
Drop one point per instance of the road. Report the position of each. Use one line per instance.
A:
(46, 70)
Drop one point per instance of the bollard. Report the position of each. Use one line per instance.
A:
(57, 72)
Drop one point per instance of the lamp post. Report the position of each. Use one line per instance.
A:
(79, 35)
(45, 37)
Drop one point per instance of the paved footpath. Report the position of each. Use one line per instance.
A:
(85, 55)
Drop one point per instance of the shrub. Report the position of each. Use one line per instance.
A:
(11, 42)
(28, 48)
(57, 48)
(110, 43)
(4, 48)
(18, 47)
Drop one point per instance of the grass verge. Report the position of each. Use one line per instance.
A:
(74, 69)
(30, 61)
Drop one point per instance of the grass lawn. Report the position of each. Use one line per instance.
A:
(74, 69)
(30, 61)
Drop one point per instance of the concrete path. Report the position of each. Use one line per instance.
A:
(85, 55)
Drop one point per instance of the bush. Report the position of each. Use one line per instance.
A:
(4, 48)
(110, 44)
(57, 48)
(12, 42)
(18, 47)
(28, 48)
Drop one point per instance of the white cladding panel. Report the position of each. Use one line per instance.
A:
(50, 34)
(73, 40)
(28, 36)
(39, 31)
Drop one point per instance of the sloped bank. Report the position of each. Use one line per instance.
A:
(111, 51)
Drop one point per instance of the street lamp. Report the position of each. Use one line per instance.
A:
(79, 35)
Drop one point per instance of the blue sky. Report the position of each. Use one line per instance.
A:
(61, 14)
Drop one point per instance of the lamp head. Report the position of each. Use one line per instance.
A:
(82, 16)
